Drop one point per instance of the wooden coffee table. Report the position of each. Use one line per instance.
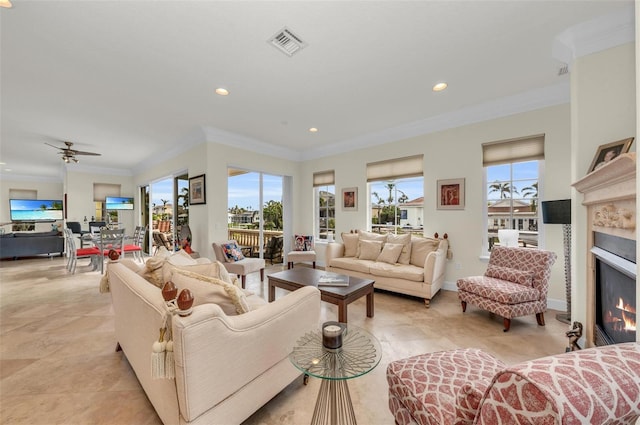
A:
(339, 295)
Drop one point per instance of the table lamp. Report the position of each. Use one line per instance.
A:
(559, 212)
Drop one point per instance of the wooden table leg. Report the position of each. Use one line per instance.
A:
(370, 304)
(342, 312)
(272, 292)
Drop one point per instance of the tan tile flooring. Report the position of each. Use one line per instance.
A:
(58, 364)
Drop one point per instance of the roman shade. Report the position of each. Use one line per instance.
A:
(528, 148)
(409, 166)
(102, 190)
(324, 178)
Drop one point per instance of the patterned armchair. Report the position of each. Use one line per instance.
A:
(468, 386)
(515, 284)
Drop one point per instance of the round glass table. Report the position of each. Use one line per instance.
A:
(360, 353)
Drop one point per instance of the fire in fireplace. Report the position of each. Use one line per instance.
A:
(615, 292)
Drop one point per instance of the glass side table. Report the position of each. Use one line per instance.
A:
(360, 353)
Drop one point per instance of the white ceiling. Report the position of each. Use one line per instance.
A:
(130, 79)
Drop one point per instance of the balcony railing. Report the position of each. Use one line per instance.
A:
(250, 238)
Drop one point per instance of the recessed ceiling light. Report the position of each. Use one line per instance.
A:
(313, 130)
(440, 86)
(6, 3)
(3, 163)
(222, 92)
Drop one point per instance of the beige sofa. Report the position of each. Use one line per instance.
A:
(226, 367)
(418, 270)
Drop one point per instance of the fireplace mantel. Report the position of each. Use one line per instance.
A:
(609, 193)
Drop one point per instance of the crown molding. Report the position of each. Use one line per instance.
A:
(215, 135)
(524, 102)
(30, 178)
(189, 141)
(604, 32)
(98, 170)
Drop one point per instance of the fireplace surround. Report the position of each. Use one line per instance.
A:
(609, 194)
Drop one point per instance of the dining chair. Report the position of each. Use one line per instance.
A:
(135, 248)
(110, 239)
(73, 253)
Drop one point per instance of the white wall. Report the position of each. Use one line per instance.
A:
(603, 110)
(457, 153)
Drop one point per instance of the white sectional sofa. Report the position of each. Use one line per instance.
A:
(226, 367)
(416, 268)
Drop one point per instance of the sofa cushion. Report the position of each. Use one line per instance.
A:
(232, 252)
(512, 275)
(353, 264)
(398, 271)
(499, 290)
(350, 241)
(405, 240)
(231, 299)
(420, 248)
(369, 236)
(303, 243)
(369, 250)
(390, 253)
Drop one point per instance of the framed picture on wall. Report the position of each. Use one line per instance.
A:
(450, 194)
(197, 190)
(350, 199)
(606, 153)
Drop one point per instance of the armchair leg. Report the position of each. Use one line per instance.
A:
(261, 275)
(289, 265)
(507, 324)
(314, 264)
(426, 302)
(243, 278)
(540, 318)
(464, 306)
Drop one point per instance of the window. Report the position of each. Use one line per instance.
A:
(512, 174)
(396, 189)
(325, 203)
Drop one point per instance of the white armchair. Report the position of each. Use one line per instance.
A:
(240, 267)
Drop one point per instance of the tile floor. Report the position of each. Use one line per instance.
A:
(58, 364)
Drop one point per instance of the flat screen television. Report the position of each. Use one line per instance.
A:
(118, 203)
(35, 209)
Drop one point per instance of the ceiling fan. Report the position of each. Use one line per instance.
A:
(69, 154)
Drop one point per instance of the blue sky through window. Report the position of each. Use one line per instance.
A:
(244, 190)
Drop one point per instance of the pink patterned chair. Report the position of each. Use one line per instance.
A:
(467, 386)
(515, 284)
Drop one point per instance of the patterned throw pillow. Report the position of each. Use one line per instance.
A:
(512, 275)
(303, 243)
(232, 252)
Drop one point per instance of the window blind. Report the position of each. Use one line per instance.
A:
(515, 150)
(23, 194)
(102, 190)
(409, 166)
(324, 178)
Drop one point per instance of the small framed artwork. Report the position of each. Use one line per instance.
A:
(350, 199)
(606, 153)
(450, 194)
(197, 190)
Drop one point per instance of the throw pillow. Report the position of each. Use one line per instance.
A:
(369, 250)
(209, 269)
(350, 241)
(303, 243)
(512, 275)
(232, 252)
(390, 253)
(420, 248)
(405, 240)
(208, 289)
(369, 236)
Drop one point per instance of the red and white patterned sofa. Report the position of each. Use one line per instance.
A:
(515, 284)
(468, 386)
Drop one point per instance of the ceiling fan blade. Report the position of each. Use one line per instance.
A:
(53, 146)
(75, 152)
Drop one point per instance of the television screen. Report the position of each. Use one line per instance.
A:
(35, 209)
(118, 203)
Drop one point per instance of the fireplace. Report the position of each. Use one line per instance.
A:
(615, 289)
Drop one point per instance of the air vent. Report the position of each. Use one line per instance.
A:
(287, 42)
(564, 69)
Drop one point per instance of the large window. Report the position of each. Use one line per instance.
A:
(396, 189)
(512, 175)
(325, 203)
